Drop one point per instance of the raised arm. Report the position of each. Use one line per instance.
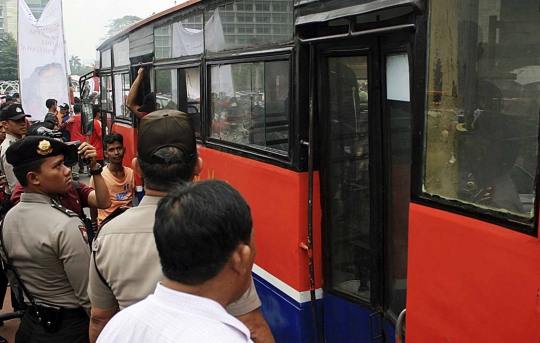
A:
(132, 96)
(100, 196)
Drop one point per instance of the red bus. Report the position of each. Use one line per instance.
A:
(388, 150)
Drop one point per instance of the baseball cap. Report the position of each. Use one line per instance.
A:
(33, 148)
(149, 103)
(13, 112)
(64, 106)
(166, 128)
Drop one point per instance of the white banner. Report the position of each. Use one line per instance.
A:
(42, 58)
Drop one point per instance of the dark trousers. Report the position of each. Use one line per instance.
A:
(72, 330)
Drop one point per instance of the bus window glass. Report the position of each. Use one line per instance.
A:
(250, 104)
(187, 37)
(121, 53)
(121, 92)
(162, 42)
(180, 89)
(248, 23)
(106, 93)
(483, 97)
(106, 59)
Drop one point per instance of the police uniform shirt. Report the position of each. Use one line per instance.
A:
(49, 248)
(127, 258)
(6, 167)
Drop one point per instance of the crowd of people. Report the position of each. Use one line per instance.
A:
(175, 268)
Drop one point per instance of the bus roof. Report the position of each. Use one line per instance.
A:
(142, 22)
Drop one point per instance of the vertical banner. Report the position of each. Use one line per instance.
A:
(42, 58)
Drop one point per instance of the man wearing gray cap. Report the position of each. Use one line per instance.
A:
(125, 265)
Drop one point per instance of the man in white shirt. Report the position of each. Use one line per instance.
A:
(207, 226)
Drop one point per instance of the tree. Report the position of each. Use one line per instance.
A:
(8, 55)
(75, 64)
(118, 24)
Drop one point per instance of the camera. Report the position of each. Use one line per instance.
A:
(72, 156)
(43, 131)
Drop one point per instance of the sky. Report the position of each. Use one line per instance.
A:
(85, 21)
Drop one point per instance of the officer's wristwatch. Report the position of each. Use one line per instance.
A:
(96, 171)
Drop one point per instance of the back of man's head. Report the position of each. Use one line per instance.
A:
(77, 108)
(50, 103)
(198, 227)
(167, 149)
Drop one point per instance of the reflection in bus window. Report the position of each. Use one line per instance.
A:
(179, 89)
(250, 104)
(121, 92)
(248, 23)
(482, 106)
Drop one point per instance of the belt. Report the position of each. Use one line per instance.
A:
(78, 312)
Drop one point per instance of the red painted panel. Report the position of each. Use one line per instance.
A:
(278, 201)
(470, 281)
(130, 142)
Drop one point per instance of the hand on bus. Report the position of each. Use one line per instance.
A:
(141, 71)
(88, 153)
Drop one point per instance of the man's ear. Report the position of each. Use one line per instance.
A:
(136, 167)
(240, 259)
(33, 178)
(198, 167)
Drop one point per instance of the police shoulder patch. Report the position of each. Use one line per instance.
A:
(64, 210)
(84, 234)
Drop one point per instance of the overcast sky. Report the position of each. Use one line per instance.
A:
(85, 21)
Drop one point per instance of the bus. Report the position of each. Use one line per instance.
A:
(388, 150)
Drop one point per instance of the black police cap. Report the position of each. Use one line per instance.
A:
(33, 148)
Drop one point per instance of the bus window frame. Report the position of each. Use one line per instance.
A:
(286, 158)
(528, 226)
(120, 71)
(186, 65)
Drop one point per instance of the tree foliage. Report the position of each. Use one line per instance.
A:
(8, 57)
(118, 24)
(77, 68)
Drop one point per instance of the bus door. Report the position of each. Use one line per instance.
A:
(364, 128)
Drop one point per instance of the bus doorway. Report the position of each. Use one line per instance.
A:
(363, 93)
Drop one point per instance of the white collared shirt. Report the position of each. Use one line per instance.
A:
(172, 316)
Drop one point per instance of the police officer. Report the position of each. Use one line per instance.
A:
(47, 243)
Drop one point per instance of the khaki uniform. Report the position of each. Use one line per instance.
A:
(6, 167)
(49, 249)
(127, 258)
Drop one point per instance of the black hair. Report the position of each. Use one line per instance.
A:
(77, 108)
(32, 130)
(76, 100)
(50, 102)
(163, 177)
(113, 137)
(21, 171)
(95, 110)
(198, 226)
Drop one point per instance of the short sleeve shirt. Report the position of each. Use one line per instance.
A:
(126, 256)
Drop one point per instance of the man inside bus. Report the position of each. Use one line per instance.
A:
(149, 102)
(125, 263)
(207, 226)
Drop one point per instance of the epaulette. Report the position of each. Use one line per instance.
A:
(64, 210)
